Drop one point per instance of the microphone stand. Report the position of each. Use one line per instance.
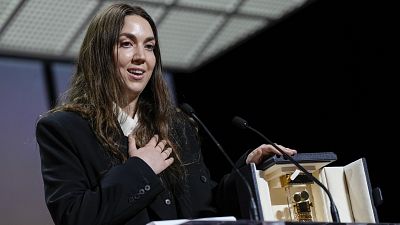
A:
(334, 212)
(253, 208)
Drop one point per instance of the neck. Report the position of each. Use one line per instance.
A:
(130, 109)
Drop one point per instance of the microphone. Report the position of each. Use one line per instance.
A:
(253, 209)
(241, 123)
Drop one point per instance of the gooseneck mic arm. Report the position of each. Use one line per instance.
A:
(253, 209)
(241, 123)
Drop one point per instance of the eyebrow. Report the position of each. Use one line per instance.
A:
(133, 37)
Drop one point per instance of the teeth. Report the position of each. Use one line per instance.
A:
(137, 72)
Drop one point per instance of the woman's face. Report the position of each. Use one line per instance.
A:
(134, 54)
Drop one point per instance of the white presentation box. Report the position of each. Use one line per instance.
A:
(279, 200)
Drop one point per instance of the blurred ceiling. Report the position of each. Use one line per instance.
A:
(191, 32)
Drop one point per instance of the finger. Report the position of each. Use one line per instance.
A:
(268, 150)
(131, 145)
(254, 156)
(258, 152)
(161, 145)
(132, 142)
(165, 153)
(258, 156)
(249, 157)
(169, 161)
(291, 151)
(168, 151)
(159, 148)
(276, 151)
(288, 151)
(153, 141)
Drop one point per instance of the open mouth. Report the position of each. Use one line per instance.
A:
(136, 73)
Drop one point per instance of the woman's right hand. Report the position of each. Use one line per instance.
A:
(153, 153)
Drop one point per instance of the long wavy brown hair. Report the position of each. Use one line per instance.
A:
(97, 86)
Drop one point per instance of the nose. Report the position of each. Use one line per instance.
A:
(139, 55)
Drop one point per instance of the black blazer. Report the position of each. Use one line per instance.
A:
(81, 186)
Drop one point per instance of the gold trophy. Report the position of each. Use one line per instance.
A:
(299, 198)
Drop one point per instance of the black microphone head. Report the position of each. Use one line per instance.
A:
(239, 122)
(187, 109)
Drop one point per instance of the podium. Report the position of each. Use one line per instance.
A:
(278, 200)
(249, 222)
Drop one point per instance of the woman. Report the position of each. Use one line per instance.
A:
(117, 151)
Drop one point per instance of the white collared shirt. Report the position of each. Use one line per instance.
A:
(126, 122)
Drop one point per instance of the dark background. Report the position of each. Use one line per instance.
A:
(323, 79)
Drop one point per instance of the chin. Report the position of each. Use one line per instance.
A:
(134, 91)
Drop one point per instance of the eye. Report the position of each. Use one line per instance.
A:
(125, 44)
(149, 46)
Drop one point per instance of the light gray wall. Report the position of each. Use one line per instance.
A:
(23, 98)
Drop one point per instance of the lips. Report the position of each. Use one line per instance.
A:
(135, 73)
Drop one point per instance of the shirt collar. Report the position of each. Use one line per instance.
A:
(126, 122)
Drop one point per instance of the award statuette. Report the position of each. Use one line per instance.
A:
(291, 191)
(299, 196)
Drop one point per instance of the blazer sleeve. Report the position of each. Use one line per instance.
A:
(226, 193)
(71, 197)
